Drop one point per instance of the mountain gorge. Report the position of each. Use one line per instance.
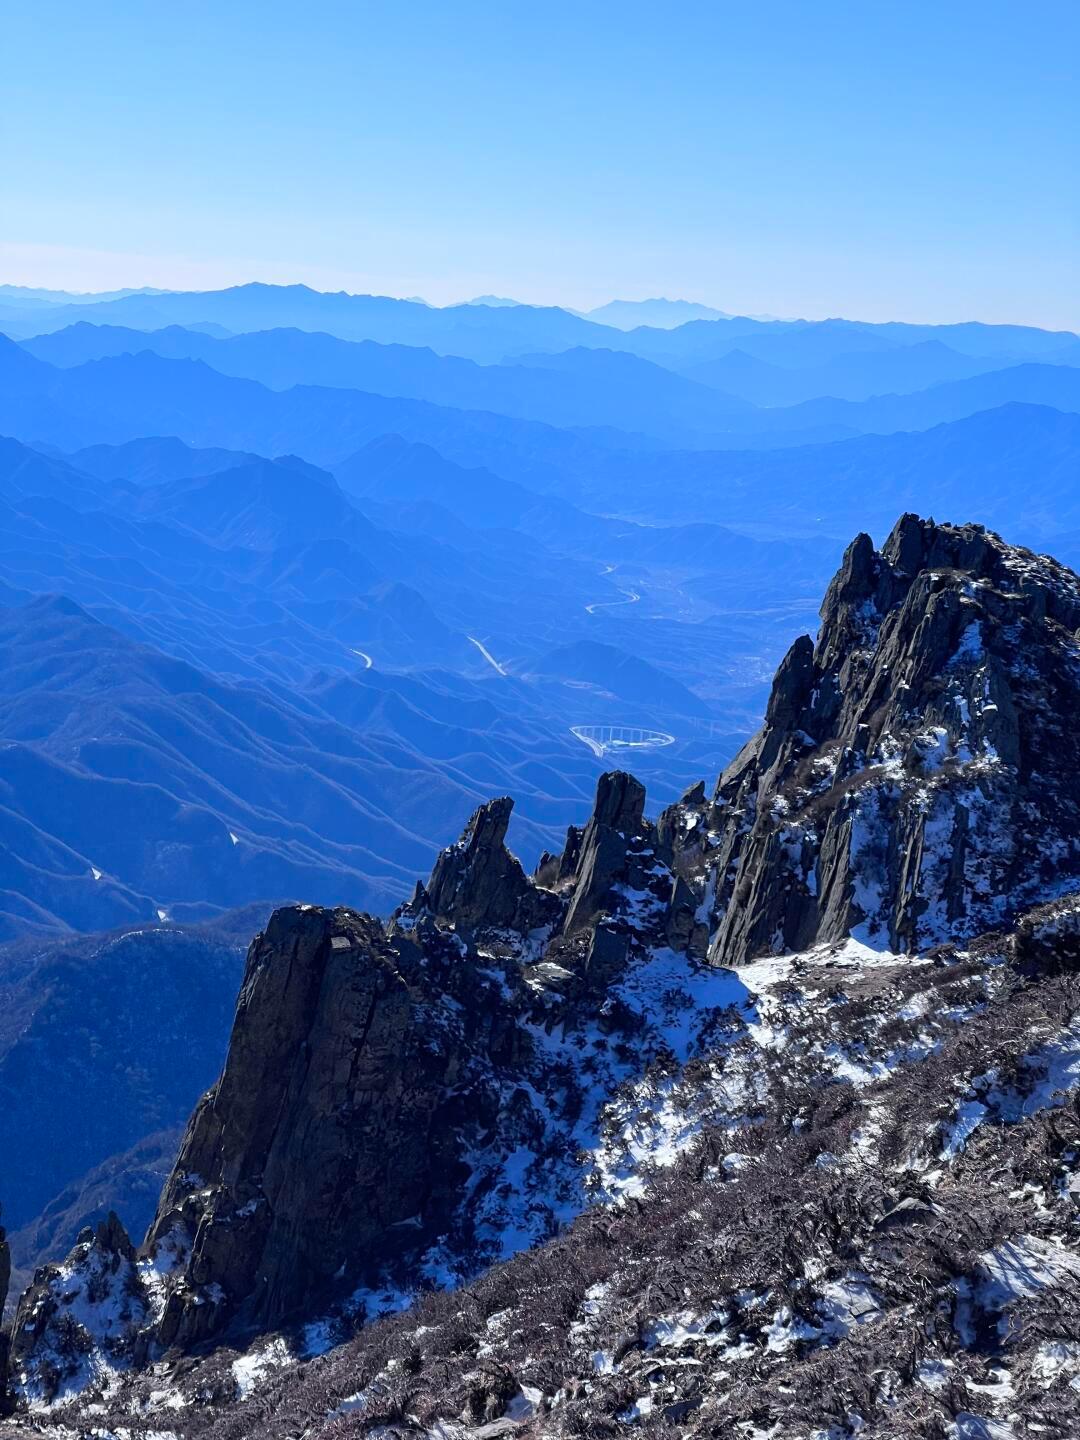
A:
(693, 1127)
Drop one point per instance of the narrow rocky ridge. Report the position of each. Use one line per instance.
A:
(404, 1104)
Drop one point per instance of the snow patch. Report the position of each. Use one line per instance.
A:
(251, 1369)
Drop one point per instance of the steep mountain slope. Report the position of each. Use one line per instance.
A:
(911, 781)
(791, 1152)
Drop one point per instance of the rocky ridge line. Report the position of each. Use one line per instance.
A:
(912, 784)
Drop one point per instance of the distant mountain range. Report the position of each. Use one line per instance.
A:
(31, 295)
(493, 332)
(481, 332)
(283, 571)
(251, 677)
(310, 393)
(581, 387)
(661, 314)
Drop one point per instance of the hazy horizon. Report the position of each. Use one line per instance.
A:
(473, 299)
(918, 165)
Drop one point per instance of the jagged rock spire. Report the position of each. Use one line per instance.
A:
(96, 1301)
(610, 849)
(477, 882)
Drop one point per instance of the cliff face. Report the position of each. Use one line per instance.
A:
(405, 1103)
(324, 1130)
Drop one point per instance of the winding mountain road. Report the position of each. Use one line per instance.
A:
(632, 597)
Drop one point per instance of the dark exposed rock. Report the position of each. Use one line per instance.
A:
(571, 852)
(110, 1235)
(324, 1130)
(620, 804)
(477, 882)
(611, 852)
(547, 870)
(682, 915)
(1048, 937)
(695, 795)
(606, 957)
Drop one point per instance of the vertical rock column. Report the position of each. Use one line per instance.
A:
(320, 1136)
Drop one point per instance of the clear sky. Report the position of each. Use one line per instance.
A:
(907, 159)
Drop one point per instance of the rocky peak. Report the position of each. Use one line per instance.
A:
(620, 804)
(97, 1302)
(368, 1062)
(909, 782)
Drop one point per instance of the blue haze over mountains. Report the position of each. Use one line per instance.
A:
(290, 582)
(293, 579)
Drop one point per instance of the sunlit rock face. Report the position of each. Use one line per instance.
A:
(913, 781)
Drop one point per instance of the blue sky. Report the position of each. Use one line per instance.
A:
(875, 159)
